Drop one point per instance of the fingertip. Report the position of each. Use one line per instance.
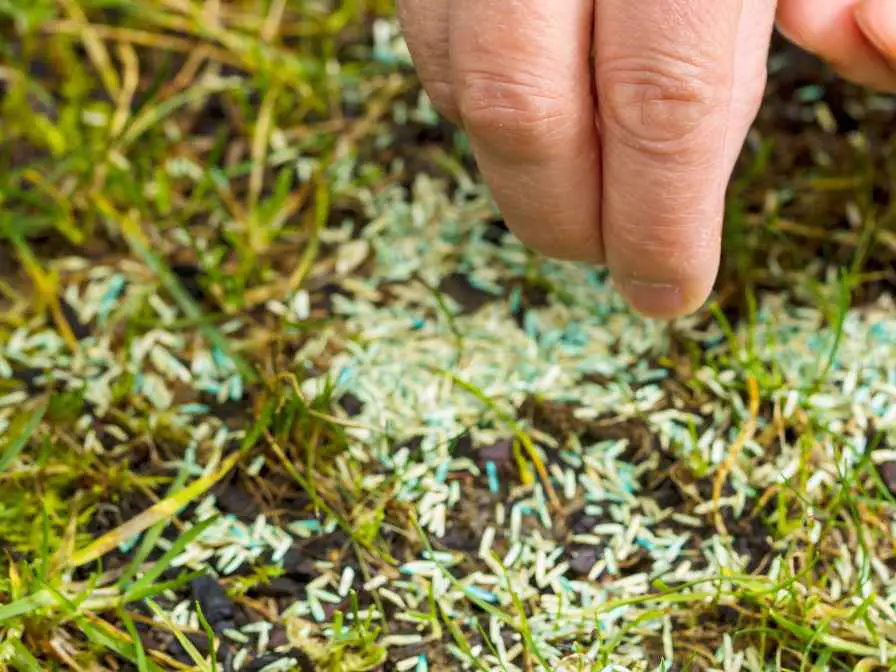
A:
(877, 20)
(556, 239)
(663, 300)
(668, 277)
(796, 24)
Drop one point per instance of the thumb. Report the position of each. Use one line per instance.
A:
(853, 35)
(877, 19)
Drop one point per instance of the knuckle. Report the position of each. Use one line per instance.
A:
(514, 112)
(658, 104)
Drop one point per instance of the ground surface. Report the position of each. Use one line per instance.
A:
(276, 383)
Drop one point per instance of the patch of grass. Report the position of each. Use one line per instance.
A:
(188, 191)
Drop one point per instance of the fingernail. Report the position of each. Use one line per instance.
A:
(654, 299)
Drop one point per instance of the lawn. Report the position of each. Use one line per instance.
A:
(278, 391)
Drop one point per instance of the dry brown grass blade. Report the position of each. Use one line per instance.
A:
(128, 57)
(146, 38)
(746, 433)
(95, 47)
(165, 509)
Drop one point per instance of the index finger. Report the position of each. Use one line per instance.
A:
(665, 74)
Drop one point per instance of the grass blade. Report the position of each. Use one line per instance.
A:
(160, 511)
(158, 588)
(185, 302)
(152, 536)
(129, 652)
(165, 561)
(23, 659)
(17, 445)
(26, 605)
(185, 643)
(141, 661)
(210, 634)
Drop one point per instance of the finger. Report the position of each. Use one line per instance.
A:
(665, 79)
(523, 83)
(831, 29)
(750, 72)
(425, 27)
(877, 19)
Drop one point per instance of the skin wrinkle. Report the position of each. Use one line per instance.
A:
(527, 74)
(673, 76)
(688, 27)
(517, 135)
(485, 91)
(519, 100)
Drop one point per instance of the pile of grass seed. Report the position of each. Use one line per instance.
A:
(279, 391)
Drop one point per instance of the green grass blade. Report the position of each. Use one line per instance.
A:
(210, 634)
(121, 648)
(154, 115)
(460, 640)
(18, 443)
(187, 645)
(151, 537)
(154, 589)
(44, 554)
(844, 296)
(185, 302)
(23, 659)
(160, 511)
(26, 605)
(141, 661)
(165, 561)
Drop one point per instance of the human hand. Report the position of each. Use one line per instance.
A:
(608, 130)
